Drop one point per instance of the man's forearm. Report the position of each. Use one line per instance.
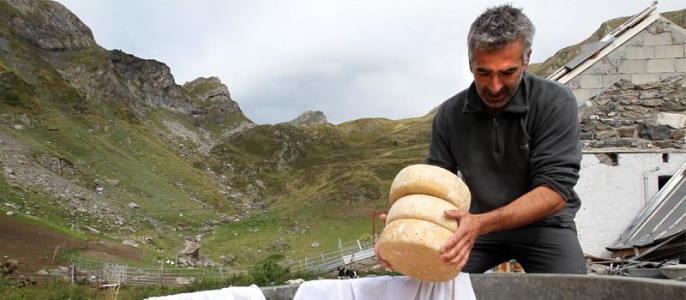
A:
(531, 207)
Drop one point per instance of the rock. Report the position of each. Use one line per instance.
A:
(42, 272)
(228, 258)
(676, 121)
(314, 245)
(182, 261)
(12, 205)
(183, 280)
(627, 132)
(112, 182)
(654, 133)
(607, 134)
(278, 245)
(130, 243)
(50, 26)
(133, 205)
(93, 230)
(191, 249)
(295, 281)
(309, 118)
(18, 127)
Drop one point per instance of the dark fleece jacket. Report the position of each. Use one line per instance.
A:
(534, 141)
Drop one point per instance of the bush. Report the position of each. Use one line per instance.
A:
(7, 268)
(269, 272)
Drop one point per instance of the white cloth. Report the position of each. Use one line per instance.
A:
(230, 293)
(386, 287)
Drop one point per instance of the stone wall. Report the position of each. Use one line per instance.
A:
(648, 116)
(657, 52)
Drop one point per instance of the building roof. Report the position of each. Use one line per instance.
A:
(661, 221)
(606, 45)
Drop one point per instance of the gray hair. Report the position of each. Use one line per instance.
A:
(499, 26)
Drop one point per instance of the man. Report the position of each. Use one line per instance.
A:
(514, 139)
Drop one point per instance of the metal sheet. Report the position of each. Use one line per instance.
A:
(588, 53)
(662, 218)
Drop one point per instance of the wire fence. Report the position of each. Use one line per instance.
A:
(83, 270)
(91, 271)
(344, 256)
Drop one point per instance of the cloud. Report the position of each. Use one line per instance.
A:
(348, 58)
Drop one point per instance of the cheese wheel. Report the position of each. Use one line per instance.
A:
(412, 247)
(422, 207)
(430, 180)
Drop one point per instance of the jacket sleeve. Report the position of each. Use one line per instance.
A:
(556, 148)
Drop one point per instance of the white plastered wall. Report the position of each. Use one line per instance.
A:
(612, 196)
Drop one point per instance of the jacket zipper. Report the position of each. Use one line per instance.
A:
(496, 136)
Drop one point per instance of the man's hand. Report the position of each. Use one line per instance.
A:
(382, 262)
(456, 250)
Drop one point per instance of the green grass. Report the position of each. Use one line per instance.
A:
(320, 182)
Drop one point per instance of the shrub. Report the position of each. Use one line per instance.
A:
(269, 272)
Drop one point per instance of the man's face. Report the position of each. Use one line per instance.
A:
(497, 73)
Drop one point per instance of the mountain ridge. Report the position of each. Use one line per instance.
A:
(101, 138)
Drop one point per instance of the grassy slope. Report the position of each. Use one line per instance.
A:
(330, 190)
(322, 182)
(102, 141)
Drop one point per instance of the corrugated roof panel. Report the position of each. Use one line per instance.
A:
(663, 217)
(589, 52)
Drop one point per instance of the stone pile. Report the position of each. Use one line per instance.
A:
(636, 116)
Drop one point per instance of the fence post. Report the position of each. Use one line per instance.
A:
(57, 250)
(359, 245)
(340, 248)
(161, 273)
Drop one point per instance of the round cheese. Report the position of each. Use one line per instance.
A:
(430, 180)
(422, 207)
(412, 247)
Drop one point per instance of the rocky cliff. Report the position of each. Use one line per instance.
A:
(308, 118)
(103, 139)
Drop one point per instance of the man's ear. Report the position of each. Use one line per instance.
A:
(527, 59)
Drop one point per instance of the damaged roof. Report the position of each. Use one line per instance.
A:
(661, 222)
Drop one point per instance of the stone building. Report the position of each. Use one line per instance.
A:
(646, 48)
(631, 91)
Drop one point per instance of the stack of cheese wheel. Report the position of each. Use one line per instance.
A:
(416, 226)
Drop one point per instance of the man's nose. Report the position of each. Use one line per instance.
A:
(495, 84)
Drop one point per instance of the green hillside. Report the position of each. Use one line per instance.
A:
(99, 138)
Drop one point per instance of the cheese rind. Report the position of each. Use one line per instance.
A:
(412, 247)
(422, 207)
(430, 180)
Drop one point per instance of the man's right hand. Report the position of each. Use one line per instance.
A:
(382, 262)
(456, 250)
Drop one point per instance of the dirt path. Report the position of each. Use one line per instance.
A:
(34, 247)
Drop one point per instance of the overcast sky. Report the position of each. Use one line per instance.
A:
(350, 59)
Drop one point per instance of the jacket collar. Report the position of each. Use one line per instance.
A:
(518, 104)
